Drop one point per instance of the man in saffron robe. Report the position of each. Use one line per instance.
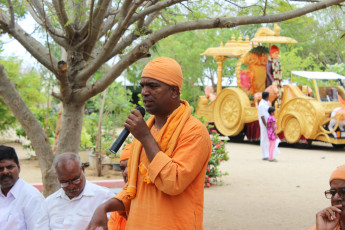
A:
(168, 158)
(116, 221)
(333, 217)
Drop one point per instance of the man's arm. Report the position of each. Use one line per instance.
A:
(99, 218)
(263, 120)
(138, 128)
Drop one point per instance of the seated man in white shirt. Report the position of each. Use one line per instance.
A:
(19, 201)
(72, 206)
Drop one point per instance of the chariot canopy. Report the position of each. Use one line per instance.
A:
(318, 75)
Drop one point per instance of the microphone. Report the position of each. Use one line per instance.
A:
(123, 135)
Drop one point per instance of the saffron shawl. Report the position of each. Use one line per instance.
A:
(166, 140)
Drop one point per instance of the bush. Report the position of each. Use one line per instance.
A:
(218, 155)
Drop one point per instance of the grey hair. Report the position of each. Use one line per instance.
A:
(64, 157)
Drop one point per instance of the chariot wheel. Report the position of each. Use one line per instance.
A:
(229, 111)
(292, 129)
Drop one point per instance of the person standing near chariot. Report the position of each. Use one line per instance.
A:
(274, 72)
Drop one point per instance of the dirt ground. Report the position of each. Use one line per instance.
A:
(257, 194)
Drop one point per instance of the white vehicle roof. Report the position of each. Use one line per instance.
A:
(318, 75)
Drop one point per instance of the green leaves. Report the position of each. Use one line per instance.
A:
(218, 155)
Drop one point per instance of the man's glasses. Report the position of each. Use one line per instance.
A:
(331, 193)
(66, 184)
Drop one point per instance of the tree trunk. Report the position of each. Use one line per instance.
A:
(57, 130)
(33, 129)
(72, 119)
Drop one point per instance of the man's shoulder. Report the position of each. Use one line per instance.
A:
(194, 123)
(98, 189)
(53, 195)
(27, 189)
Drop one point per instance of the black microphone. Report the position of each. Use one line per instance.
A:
(123, 135)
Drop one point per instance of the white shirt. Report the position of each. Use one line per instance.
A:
(76, 213)
(20, 209)
(263, 110)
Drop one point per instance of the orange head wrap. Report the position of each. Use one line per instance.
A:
(273, 49)
(164, 69)
(125, 153)
(339, 173)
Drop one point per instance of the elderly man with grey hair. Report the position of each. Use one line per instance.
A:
(72, 206)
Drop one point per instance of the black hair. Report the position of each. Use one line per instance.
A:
(271, 109)
(8, 153)
(265, 95)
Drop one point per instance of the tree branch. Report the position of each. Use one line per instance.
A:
(32, 128)
(143, 48)
(10, 6)
(29, 43)
(63, 18)
(97, 24)
(65, 88)
(56, 34)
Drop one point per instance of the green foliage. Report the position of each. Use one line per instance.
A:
(218, 155)
(116, 109)
(338, 68)
(291, 60)
(29, 85)
(85, 140)
(18, 7)
(260, 50)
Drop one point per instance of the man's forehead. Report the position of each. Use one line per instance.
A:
(147, 80)
(337, 183)
(6, 162)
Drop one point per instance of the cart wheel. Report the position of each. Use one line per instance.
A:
(292, 130)
(228, 112)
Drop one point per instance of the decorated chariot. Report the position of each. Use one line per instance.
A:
(304, 113)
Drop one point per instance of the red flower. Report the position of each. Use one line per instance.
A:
(208, 184)
(218, 146)
(221, 142)
(208, 178)
(208, 169)
(214, 131)
(114, 136)
(221, 159)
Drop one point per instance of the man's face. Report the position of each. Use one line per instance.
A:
(157, 96)
(275, 54)
(72, 175)
(124, 170)
(337, 199)
(9, 173)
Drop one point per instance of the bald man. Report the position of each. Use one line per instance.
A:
(72, 206)
(168, 158)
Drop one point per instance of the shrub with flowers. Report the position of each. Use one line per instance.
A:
(218, 155)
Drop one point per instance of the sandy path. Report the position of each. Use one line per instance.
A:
(265, 195)
(257, 194)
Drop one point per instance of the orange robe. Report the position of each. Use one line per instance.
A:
(175, 198)
(336, 227)
(116, 222)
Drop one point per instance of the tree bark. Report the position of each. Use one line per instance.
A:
(72, 119)
(32, 128)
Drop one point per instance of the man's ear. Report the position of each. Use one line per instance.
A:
(175, 91)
